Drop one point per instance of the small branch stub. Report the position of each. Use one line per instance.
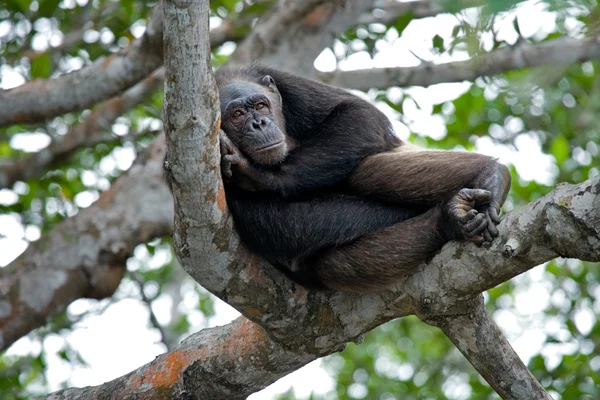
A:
(511, 248)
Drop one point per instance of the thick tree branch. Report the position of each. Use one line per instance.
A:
(480, 340)
(320, 323)
(85, 255)
(564, 223)
(106, 77)
(314, 324)
(561, 51)
(95, 129)
(192, 123)
(224, 363)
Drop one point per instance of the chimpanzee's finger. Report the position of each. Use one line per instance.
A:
(476, 225)
(486, 233)
(492, 224)
(493, 214)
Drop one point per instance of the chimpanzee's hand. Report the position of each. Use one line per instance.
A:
(235, 167)
(230, 156)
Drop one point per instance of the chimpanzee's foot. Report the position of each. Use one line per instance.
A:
(498, 184)
(472, 224)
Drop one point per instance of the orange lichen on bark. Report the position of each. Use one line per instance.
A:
(221, 202)
(166, 369)
(245, 340)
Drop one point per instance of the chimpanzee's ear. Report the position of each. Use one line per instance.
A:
(269, 82)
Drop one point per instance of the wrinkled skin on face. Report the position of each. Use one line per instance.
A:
(252, 119)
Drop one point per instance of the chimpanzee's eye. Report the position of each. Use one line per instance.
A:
(260, 106)
(237, 114)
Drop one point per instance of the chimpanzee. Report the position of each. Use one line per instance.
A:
(319, 184)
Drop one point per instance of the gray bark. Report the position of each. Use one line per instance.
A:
(224, 363)
(85, 255)
(106, 77)
(95, 129)
(478, 337)
(552, 54)
(314, 324)
(296, 32)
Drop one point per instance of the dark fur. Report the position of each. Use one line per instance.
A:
(303, 213)
(328, 150)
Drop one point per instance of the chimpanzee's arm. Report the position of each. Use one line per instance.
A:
(413, 176)
(284, 230)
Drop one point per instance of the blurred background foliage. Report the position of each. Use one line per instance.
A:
(549, 314)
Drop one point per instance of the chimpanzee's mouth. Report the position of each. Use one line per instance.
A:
(268, 147)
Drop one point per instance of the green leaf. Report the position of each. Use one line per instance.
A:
(496, 6)
(5, 149)
(438, 43)
(41, 66)
(19, 5)
(181, 326)
(47, 7)
(401, 23)
(516, 26)
(560, 149)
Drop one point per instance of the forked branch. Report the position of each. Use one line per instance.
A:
(480, 340)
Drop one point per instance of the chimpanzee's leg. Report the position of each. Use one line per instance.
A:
(376, 260)
(411, 175)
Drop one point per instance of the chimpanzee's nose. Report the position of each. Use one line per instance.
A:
(259, 124)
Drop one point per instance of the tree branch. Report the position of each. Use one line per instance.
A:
(95, 129)
(564, 223)
(314, 324)
(88, 19)
(85, 255)
(192, 122)
(386, 12)
(561, 51)
(480, 340)
(106, 77)
(227, 362)
(295, 32)
(148, 303)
